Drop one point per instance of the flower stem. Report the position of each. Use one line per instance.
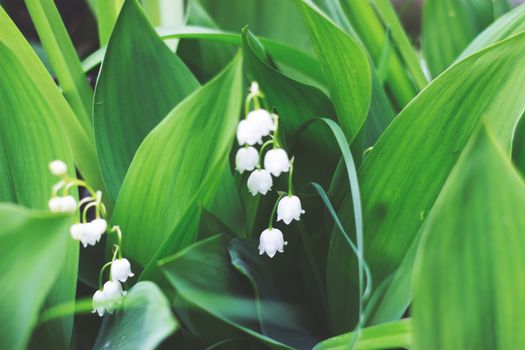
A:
(101, 274)
(290, 175)
(261, 151)
(272, 216)
(116, 229)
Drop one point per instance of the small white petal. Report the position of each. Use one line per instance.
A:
(260, 181)
(262, 121)
(99, 301)
(271, 242)
(247, 133)
(289, 209)
(254, 87)
(276, 161)
(121, 270)
(76, 231)
(246, 159)
(58, 168)
(112, 294)
(69, 204)
(98, 227)
(55, 204)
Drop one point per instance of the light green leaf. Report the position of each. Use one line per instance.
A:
(163, 13)
(450, 25)
(34, 246)
(163, 181)
(143, 321)
(125, 112)
(31, 138)
(469, 282)
(347, 75)
(484, 86)
(384, 336)
(106, 12)
(36, 75)
(63, 59)
(217, 290)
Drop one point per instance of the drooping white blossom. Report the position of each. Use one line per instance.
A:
(260, 181)
(66, 204)
(276, 161)
(58, 168)
(98, 227)
(112, 295)
(271, 242)
(262, 121)
(247, 133)
(89, 233)
(121, 270)
(246, 159)
(289, 208)
(99, 303)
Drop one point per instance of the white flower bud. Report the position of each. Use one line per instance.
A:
(98, 227)
(58, 168)
(246, 159)
(254, 87)
(66, 204)
(260, 181)
(99, 303)
(121, 270)
(76, 231)
(288, 209)
(112, 294)
(247, 133)
(271, 242)
(55, 204)
(262, 121)
(276, 161)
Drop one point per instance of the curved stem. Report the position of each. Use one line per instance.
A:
(261, 151)
(272, 215)
(116, 229)
(290, 175)
(101, 274)
(86, 208)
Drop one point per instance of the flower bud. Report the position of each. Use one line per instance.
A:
(246, 159)
(99, 303)
(288, 209)
(112, 294)
(260, 181)
(271, 242)
(121, 270)
(58, 168)
(66, 204)
(276, 161)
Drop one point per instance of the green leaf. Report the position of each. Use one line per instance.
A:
(106, 12)
(31, 138)
(385, 336)
(57, 108)
(484, 86)
(34, 248)
(166, 14)
(163, 182)
(125, 112)
(143, 321)
(347, 75)
(218, 290)
(458, 21)
(469, 282)
(63, 59)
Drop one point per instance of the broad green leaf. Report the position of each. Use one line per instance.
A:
(384, 336)
(143, 321)
(469, 282)
(63, 59)
(345, 66)
(450, 25)
(34, 247)
(31, 138)
(163, 180)
(126, 111)
(81, 144)
(203, 277)
(484, 86)
(106, 13)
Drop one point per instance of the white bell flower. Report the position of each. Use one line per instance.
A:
(248, 133)
(121, 270)
(262, 121)
(99, 303)
(112, 294)
(254, 88)
(271, 242)
(276, 161)
(98, 227)
(246, 159)
(58, 168)
(260, 181)
(288, 209)
(66, 204)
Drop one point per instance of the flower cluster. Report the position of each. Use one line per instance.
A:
(107, 298)
(257, 125)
